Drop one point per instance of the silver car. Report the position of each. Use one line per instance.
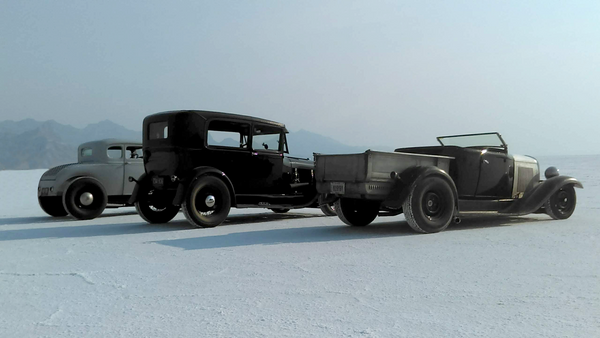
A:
(98, 180)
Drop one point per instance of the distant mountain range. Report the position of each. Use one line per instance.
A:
(30, 144)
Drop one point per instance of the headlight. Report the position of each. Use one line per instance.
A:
(551, 172)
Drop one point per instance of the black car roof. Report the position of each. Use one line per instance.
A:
(206, 114)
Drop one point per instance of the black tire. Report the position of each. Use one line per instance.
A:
(53, 206)
(279, 210)
(154, 206)
(328, 209)
(430, 205)
(198, 207)
(85, 198)
(356, 212)
(561, 204)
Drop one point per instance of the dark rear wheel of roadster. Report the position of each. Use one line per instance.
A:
(207, 202)
(356, 212)
(85, 198)
(562, 203)
(53, 206)
(155, 206)
(430, 205)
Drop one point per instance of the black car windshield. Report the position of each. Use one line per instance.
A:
(473, 140)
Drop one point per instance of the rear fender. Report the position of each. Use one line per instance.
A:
(142, 179)
(534, 198)
(409, 178)
(184, 185)
(71, 180)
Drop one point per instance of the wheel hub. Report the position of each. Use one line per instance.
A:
(86, 198)
(432, 204)
(563, 200)
(210, 201)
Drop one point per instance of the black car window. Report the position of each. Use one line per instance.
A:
(228, 134)
(158, 130)
(266, 138)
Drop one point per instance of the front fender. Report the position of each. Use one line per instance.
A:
(534, 198)
(409, 178)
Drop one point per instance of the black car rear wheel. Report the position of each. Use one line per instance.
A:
(356, 212)
(85, 198)
(430, 205)
(561, 204)
(207, 203)
(155, 206)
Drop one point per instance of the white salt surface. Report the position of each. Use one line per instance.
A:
(298, 275)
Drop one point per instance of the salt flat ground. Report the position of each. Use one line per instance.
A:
(298, 275)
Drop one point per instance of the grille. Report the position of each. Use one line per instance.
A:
(525, 176)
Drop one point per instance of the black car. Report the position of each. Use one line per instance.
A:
(434, 185)
(206, 162)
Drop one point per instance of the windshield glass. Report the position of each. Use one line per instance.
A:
(473, 140)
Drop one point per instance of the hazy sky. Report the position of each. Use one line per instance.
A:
(363, 72)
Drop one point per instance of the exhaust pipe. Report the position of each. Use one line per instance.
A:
(456, 220)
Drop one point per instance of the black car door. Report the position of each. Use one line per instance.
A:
(267, 159)
(227, 149)
(495, 174)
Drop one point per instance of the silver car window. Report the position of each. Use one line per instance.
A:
(115, 152)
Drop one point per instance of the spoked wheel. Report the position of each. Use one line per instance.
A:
(356, 212)
(207, 203)
(430, 205)
(155, 206)
(561, 204)
(85, 198)
(53, 206)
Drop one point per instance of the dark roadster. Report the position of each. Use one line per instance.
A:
(435, 185)
(207, 162)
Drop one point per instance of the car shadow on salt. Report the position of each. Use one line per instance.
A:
(50, 219)
(76, 229)
(313, 234)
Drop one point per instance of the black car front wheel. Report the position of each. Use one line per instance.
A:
(356, 212)
(561, 204)
(85, 198)
(430, 205)
(328, 209)
(207, 202)
(155, 206)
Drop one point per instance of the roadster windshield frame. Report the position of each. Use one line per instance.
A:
(480, 140)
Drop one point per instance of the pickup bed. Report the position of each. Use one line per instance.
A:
(368, 175)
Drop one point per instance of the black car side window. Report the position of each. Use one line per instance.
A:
(266, 138)
(227, 134)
